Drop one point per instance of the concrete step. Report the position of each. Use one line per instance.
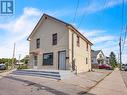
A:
(39, 72)
(47, 74)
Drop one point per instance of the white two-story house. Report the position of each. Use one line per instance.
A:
(57, 45)
(98, 58)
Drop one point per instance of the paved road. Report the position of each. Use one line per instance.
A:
(11, 85)
(124, 75)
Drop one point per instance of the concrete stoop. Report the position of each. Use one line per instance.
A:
(54, 74)
(38, 73)
(67, 74)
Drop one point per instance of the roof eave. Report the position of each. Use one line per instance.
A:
(71, 27)
(40, 22)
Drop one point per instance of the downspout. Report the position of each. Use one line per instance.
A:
(74, 67)
(73, 60)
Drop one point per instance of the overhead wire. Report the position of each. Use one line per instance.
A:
(123, 27)
(77, 5)
(124, 39)
(83, 16)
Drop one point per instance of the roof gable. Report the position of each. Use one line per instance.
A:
(95, 53)
(45, 16)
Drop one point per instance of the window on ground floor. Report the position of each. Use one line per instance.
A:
(86, 60)
(48, 59)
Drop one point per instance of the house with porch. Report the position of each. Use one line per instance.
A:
(98, 58)
(57, 45)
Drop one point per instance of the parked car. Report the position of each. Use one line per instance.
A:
(105, 67)
(122, 67)
(2, 66)
(125, 67)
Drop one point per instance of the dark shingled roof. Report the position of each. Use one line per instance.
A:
(95, 53)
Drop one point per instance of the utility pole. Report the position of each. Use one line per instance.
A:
(118, 61)
(120, 54)
(13, 56)
(19, 60)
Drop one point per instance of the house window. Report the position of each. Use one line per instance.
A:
(100, 55)
(54, 39)
(86, 60)
(38, 43)
(48, 59)
(78, 41)
(87, 46)
(35, 60)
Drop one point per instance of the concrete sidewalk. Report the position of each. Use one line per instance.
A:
(70, 84)
(111, 85)
(6, 73)
(87, 79)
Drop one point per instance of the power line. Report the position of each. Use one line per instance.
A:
(122, 23)
(124, 40)
(81, 20)
(122, 28)
(76, 11)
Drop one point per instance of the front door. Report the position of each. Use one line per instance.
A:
(62, 60)
(35, 62)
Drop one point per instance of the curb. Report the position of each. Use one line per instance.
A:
(123, 80)
(6, 73)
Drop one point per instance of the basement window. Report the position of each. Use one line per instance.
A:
(48, 59)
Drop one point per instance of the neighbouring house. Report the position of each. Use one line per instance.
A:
(57, 45)
(98, 58)
(107, 60)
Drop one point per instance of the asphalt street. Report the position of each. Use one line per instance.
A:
(13, 84)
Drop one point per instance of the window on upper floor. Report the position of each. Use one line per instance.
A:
(38, 43)
(54, 39)
(87, 46)
(78, 41)
(100, 55)
(86, 60)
